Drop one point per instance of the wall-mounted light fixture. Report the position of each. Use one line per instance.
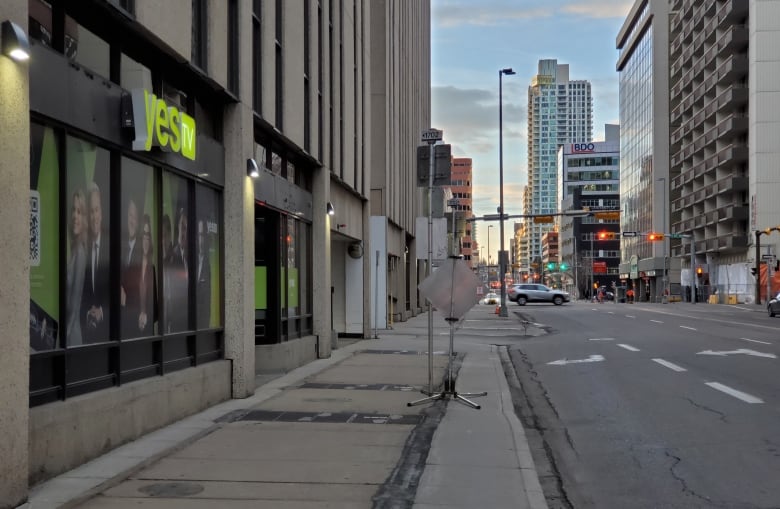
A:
(251, 168)
(331, 210)
(14, 42)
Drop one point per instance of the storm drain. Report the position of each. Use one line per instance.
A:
(358, 387)
(337, 417)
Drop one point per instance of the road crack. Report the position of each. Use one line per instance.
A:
(721, 415)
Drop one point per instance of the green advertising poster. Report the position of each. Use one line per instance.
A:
(261, 288)
(44, 240)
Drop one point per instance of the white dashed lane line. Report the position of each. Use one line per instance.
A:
(670, 365)
(628, 347)
(747, 398)
(630, 316)
(684, 327)
(757, 341)
(657, 321)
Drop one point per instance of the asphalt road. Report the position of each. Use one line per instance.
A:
(653, 406)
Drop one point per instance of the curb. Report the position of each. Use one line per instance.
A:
(533, 488)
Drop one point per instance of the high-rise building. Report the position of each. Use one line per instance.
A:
(560, 111)
(723, 148)
(644, 144)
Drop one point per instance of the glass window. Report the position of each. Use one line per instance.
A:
(208, 290)
(89, 50)
(45, 240)
(88, 176)
(176, 259)
(40, 23)
(138, 275)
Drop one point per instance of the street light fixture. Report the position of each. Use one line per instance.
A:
(509, 72)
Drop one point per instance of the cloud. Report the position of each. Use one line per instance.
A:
(599, 9)
(469, 118)
(452, 14)
(457, 13)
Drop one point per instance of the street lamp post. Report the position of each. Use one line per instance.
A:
(489, 227)
(665, 295)
(508, 71)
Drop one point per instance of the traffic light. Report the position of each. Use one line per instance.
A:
(606, 236)
(551, 266)
(564, 266)
(700, 271)
(655, 236)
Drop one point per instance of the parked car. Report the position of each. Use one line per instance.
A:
(522, 293)
(773, 306)
(491, 298)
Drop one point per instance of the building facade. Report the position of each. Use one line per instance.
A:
(589, 178)
(722, 187)
(461, 209)
(643, 67)
(560, 111)
(197, 182)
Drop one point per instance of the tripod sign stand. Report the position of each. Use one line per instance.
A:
(451, 290)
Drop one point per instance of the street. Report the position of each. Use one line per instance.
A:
(651, 405)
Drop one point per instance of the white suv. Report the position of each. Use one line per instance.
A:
(522, 293)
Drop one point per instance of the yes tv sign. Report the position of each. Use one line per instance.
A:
(159, 125)
(582, 147)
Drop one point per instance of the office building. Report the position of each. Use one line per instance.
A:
(643, 67)
(589, 178)
(189, 199)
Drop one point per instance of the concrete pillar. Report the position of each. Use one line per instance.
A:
(15, 288)
(239, 208)
(321, 261)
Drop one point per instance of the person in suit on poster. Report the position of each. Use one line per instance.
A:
(147, 284)
(178, 311)
(203, 285)
(131, 261)
(95, 295)
(77, 268)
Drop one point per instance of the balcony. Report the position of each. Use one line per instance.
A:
(733, 154)
(734, 40)
(731, 126)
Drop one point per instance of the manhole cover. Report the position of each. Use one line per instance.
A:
(171, 489)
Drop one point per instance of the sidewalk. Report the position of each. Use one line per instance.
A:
(336, 433)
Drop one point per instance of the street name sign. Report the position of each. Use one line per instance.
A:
(431, 135)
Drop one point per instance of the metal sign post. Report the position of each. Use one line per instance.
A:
(431, 136)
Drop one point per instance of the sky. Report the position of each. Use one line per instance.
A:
(471, 40)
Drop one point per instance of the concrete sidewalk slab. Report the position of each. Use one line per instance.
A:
(283, 448)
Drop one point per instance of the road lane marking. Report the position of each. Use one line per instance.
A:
(610, 312)
(685, 327)
(628, 347)
(630, 316)
(740, 351)
(757, 341)
(657, 321)
(670, 365)
(563, 362)
(601, 339)
(747, 398)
